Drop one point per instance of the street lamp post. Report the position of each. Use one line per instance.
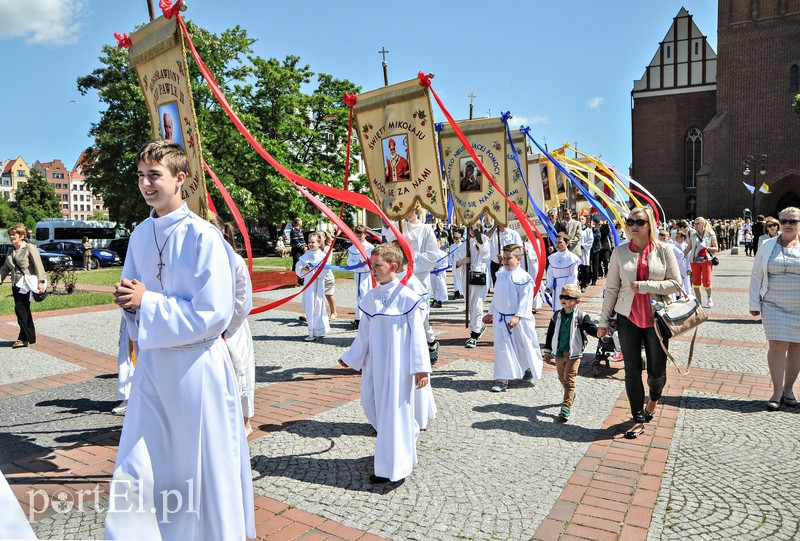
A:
(750, 162)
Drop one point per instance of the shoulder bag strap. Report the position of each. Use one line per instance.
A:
(669, 355)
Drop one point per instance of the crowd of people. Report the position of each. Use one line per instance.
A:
(185, 431)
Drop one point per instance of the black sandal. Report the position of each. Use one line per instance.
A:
(635, 432)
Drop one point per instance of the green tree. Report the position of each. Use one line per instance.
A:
(796, 104)
(304, 131)
(36, 200)
(8, 216)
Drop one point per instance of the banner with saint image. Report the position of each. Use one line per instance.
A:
(159, 58)
(472, 194)
(398, 141)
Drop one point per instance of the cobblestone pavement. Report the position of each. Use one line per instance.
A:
(712, 465)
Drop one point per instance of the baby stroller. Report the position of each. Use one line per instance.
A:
(605, 350)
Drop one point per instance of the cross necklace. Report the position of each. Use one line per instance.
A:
(161, 264)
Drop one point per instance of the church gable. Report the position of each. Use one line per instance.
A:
(684, 62)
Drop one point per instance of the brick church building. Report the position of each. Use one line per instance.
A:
(700, 118)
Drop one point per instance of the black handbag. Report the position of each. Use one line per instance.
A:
(477, 278)
(714, 260)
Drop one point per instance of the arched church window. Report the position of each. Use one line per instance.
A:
(793, 78)
(693, 157)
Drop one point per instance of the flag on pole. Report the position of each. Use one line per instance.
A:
(764, 188)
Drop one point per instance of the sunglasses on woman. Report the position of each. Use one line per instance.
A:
(631, 222)
(772, 225)
(567, 298)
(791, 221)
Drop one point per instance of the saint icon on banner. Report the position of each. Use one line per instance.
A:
(397, 167)
(470, 176)
(168, 113)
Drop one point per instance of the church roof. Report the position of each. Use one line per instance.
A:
(684, 62)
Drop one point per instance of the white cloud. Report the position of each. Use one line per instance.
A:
(595, 103)
(517, 121)
(42, 22)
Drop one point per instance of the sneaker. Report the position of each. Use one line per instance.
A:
(301, 318)
(528, 375)
(617, 356)
(310, 338)
(471, 343)
(354, 323)
(565, 413)
(710, 303)
(121, 408)
(433, 351)
(499, 386)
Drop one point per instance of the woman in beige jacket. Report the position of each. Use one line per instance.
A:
(24, 261)
(641, 272)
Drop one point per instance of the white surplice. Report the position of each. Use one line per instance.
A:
(125, 365)
(361, 275)
(13, 524)
(531, 265)
(424, 247)
(183, 467)
(458, 272)
(314, 297)
(563, 270)
(438, 278)
(478, 262)
(239, 338)
(517, 349)
(424, 404)
(389, 349)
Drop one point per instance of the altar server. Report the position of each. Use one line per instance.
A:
(314, 295)
(562, 270)
(361, 274)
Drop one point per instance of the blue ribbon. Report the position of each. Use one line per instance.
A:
(505, 324)
(551, 232)
(339, 268)
(584, 191)
(439, 128)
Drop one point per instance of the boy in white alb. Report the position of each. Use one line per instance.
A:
(182, 438)
(562, 270)
(478, 261)
(361, 275)
(426, 253)
(391, 351)
(458, 272)
(438, 277)
(516, 347)
(314, 296)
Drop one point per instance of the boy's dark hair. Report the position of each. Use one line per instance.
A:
(360, 229)
(391, 253)
(515, 249)
(228, 233)
(564, 236)
(165, 152)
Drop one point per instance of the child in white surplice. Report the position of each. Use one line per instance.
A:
(391, 351)
(516, 347)
(182, 439)
(314, 295)
(563, 269)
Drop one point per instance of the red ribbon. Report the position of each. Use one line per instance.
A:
(169, 9)
(527, 226)
(123, 40)
(237, 216)
(211, 206)
(349, 100)
(358, 200)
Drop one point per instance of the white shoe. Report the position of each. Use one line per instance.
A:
(121, 409)
(710, 303)
(309, 338)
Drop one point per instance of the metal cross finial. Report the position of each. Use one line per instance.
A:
(383, 52)
(471, 98)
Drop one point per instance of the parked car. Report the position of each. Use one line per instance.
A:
(120, 246)
(260, 243)
(50, 260)
(101, 257)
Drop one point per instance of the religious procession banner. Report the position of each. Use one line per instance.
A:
(159, 58)
(472, 194)
(398, 141)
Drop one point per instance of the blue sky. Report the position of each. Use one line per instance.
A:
(564, 68)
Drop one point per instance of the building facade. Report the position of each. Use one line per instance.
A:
(58, 176)
(697, 115)
(15, 172)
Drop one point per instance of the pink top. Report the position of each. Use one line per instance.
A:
(641, 314)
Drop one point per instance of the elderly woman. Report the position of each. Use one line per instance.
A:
(24, 261)
(702, 245)
(775, 295)
(772, 228)
(640, 271)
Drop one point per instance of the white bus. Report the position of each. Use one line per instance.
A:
(100, 233)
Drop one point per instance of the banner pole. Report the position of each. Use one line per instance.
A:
(151, 10)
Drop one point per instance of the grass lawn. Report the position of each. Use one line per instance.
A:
(54, 302)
